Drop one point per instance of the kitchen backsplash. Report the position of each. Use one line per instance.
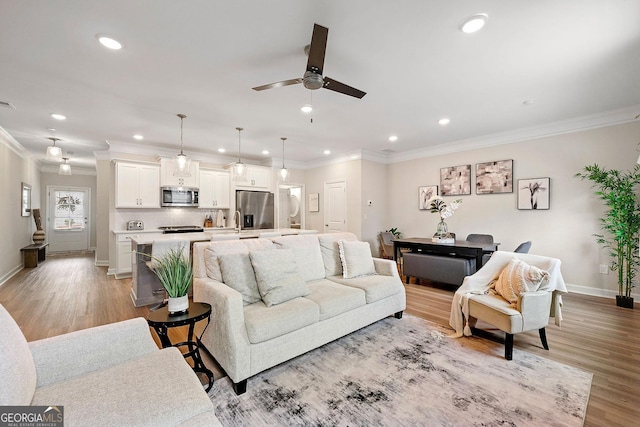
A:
(154, 218)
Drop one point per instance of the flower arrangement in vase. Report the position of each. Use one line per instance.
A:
(438, 205)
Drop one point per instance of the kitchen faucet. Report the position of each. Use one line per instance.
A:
(236, 221)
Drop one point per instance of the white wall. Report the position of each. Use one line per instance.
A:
(565, 231)
(16, 167)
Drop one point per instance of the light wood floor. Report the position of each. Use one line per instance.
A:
(69, 293)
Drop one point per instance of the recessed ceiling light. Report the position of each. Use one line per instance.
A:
(58, 116)
(393, 138)
(221, 150)
(110, 43)
(327, 152)
(474, 23)
(528, 102)
(444, 121)
(306, 108)
(138, 137)
(265, 152)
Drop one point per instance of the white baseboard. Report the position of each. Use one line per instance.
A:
(586, 290)
(10, 274)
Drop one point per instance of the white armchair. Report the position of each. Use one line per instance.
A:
(472, 300)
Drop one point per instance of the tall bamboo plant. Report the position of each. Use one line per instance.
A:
(619, 192)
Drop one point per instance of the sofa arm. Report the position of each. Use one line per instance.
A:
(386, 267)
(535, 308)
(226, 337)
(74, 354)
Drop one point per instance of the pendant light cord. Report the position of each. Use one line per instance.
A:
(283, 140)
(239, 144)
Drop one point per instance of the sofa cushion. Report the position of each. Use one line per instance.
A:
(356, 259)
(218, 248)
(308, 255)
(376, 287)
(334, 299)
(237, 273)
(331, 253)
(264, 323)
(277, 276)
(131, 393)
(17, 370)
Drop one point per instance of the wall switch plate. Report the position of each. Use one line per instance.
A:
(604, 269)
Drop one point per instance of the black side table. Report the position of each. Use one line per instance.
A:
(160, 320)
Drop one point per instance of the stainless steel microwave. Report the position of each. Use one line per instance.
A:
(179, 197)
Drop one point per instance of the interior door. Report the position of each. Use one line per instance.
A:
(335, 206)
(283, 207)
(68, 219)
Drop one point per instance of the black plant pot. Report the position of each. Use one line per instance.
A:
(624, 301)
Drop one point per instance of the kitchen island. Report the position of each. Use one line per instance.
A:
(146, 288)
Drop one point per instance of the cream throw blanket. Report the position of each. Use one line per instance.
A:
(481, 281)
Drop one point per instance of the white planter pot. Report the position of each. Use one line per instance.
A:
(179, 304)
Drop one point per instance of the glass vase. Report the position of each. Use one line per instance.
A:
(442, 231)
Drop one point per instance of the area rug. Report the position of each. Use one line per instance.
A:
(408, 372)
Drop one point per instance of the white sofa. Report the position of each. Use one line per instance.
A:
(247, 338)
(111, 375)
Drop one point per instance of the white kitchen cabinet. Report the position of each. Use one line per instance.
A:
(258, 178)
(137, 185)
(214, 189)
(168, 179)
(124, 253)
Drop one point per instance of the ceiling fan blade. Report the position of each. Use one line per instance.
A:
(336, 86)
(318, 46)
(279, 84)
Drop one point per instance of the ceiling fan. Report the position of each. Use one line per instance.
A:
(312, 78)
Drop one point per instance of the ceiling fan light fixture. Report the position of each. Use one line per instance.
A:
(65, 168)
(54, 153)
(183, 163)
(474, 23)
(239, 168)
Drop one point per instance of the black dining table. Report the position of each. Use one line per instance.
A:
(459, 248)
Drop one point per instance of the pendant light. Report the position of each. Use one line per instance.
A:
(239, 168)
(183, 163)
(54, 153)
(65, 168)
(284, 172)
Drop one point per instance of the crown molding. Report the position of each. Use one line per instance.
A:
(576, 124)
(13, 145)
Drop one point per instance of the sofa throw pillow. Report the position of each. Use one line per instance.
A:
(308, 255)
(237, 273)
(277, 276)
(331, 252)
(215, 249)
(517, 278)
(356, 259)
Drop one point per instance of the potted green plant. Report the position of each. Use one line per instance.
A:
(621, 222)
(396, 234)
(176, 275)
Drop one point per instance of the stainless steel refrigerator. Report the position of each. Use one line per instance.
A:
(256, 209)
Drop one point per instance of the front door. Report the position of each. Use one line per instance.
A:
(68, 217)
(335, 206)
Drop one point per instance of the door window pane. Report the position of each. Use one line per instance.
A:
(69, 212)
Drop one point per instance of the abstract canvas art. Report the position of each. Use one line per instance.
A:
(494, 177)
(455, 180)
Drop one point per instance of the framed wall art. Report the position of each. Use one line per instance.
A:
(494, 177)
(314, 202)
(424, 194)
(533, 193)
(455, 180)
(25, 201)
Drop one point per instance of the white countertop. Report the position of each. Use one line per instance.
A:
(141, 239)
(157, 230)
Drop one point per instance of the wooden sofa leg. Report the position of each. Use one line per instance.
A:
(543, 338)
(398, 315)
(241, 387)
(508, 346)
